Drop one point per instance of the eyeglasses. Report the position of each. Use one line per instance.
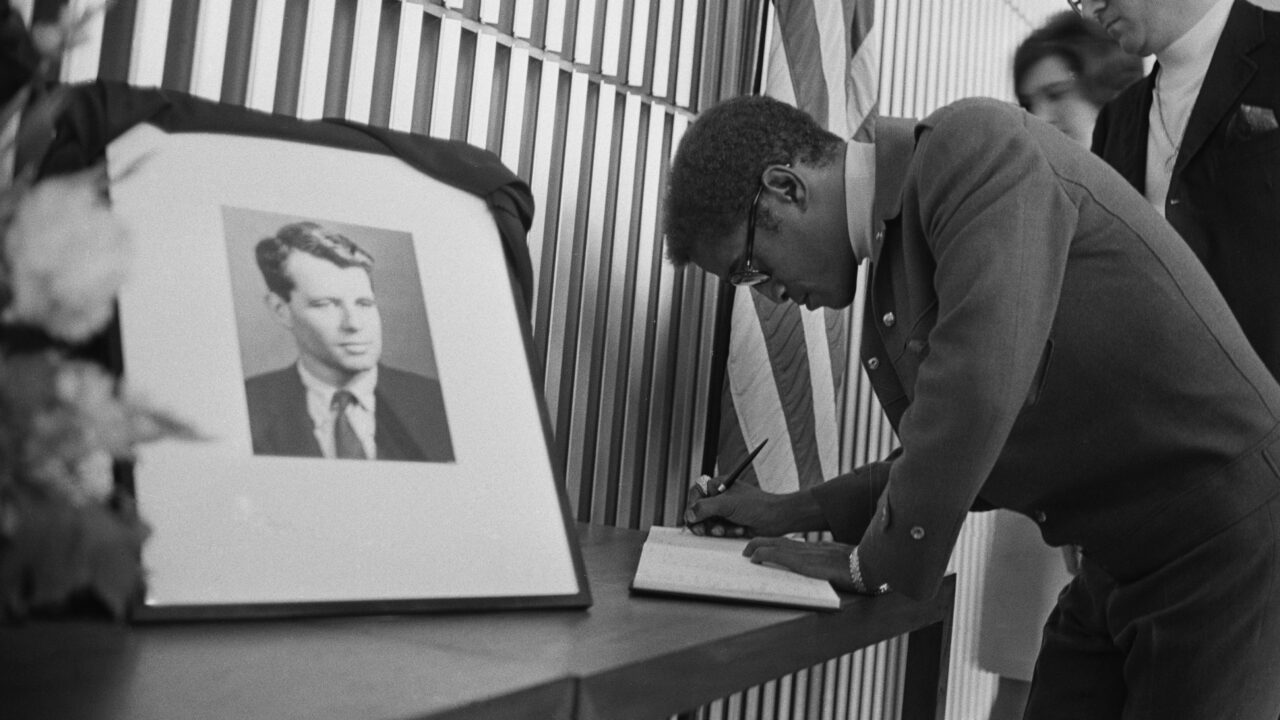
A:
(749, 275)
(1077, 5)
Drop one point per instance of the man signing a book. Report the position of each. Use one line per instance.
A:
(1041, 340)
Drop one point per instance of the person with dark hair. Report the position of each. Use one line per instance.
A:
(338, 400)
(1200, 137)
(1041, 340)
(1065, 71)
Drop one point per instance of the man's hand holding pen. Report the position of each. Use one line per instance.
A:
(741, 509)
(723, 507)
(708, 487)
(735, 512)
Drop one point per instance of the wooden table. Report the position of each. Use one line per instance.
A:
(625, 657)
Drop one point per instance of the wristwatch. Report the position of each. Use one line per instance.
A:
(855, 574)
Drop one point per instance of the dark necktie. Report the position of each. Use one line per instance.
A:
(345, 442)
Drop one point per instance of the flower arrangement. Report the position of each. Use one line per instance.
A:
(70, 535)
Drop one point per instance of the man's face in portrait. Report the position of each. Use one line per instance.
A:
(333, 316)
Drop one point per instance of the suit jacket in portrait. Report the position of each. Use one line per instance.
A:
(410, 417)
(1224, 195)
(1042, 340)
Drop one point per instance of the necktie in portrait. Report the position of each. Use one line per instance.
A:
(345, 442)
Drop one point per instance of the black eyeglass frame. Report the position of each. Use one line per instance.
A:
(749, 275)
(1077, 5)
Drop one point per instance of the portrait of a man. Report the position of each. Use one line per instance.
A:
(338, 398)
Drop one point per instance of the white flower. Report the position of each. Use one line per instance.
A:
(67, 256)
(93, 471)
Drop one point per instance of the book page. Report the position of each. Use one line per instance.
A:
(676, 561)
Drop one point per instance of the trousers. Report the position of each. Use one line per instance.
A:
(1197, 638)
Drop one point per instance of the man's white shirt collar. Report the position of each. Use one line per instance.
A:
(859, 195)
(320, 404)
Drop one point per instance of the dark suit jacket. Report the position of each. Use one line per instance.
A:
(410, 418)
(1043, 341)
(1224, 196)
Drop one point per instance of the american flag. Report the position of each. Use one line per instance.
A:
(786, 365)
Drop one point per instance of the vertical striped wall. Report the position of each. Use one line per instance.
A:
(587, 100)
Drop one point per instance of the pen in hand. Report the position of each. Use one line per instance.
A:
(742, 467)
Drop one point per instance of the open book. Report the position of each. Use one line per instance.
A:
(674, 561)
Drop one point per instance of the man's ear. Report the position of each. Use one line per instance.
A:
(785, 184)
(279, 308)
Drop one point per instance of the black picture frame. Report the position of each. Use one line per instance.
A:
(239, 533)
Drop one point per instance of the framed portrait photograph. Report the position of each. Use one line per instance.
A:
(321, 305)
(344, 332)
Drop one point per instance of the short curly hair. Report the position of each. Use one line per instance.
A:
(1102, 68)
(721, 157)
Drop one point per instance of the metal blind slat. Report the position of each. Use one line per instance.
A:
(147, 51)
(385, 64)
(405, 87)
(364, 60)
(338, 65)
(313, 69)
(264, 57)
(485, 82)
(293, 41)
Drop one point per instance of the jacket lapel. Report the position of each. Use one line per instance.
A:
(292, 423)
(393, 439)
(895, 145)
(1229, 72)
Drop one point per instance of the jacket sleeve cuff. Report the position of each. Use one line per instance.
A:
(849, 501)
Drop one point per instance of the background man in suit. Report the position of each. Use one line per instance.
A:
(338, 400)
(1063, 72)
(1041, 340)
(1199, 137)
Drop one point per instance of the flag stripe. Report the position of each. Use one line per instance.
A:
(788, 357)
(861, 93)
(798, 22)
(778, 72)
(756, 397)
(834, 45)
(788, 366)
(824, 381)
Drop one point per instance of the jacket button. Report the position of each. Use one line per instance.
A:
(917, 532)
(873, 363)
(1041, 517)
(889, 319)
(879, 236)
